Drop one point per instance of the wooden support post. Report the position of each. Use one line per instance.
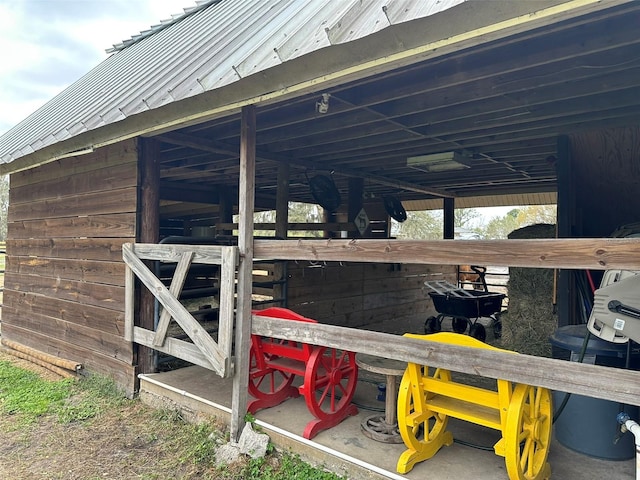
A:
(281, 229)
(449, 216)
(148, 232)
(565, 284)
(240, 392)
(282, 202)
(226, 208)
(356, 189)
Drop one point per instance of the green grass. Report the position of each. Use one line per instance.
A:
(26, 395)
(160, 443)
(290, 467)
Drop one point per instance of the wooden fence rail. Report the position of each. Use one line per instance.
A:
(589, 380)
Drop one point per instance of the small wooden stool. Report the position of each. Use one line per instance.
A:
(383, 428)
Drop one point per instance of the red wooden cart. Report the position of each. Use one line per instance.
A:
(329, 375)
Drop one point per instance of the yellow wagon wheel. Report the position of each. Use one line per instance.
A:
(528, 433)
(423, 431)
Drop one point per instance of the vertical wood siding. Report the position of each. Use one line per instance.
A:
(64, 281)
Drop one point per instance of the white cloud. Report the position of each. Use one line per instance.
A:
(48, 44)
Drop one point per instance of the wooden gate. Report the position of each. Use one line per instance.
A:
(204, 350)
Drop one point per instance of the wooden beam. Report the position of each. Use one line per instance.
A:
(354, 202)
(566, 281)
(281, 229)
(580, 253)
(311, 226)
(449, 217)
(129, 303)
(226, 208)
(462, 72)
(343, 171)
(177, 283)
(149, 232)
(282, 201)
(591, 380)
(239, 400)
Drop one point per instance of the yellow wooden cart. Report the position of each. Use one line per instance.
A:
(428, 397)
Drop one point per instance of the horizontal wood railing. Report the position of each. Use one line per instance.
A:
(589, 380)
(596, 254)
(571, 253)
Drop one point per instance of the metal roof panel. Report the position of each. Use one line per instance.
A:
(213, 44)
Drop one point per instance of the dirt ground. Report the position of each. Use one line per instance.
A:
(127, 441)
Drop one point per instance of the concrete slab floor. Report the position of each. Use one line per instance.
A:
(345, 450)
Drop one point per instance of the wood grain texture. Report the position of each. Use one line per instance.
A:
(590, 380)
(582, 253)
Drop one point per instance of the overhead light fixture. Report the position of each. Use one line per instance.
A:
(439, 162)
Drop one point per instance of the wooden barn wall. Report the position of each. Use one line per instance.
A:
(605, 166)
(382, 297)
(64, 281)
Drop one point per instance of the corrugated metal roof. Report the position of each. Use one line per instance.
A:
(213, 44)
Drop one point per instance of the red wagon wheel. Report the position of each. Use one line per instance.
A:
(329, 384)
(269, 386)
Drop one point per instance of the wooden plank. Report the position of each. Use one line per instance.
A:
(240, 395)
(281, 225)
(98, 203)
(316, 288)
(583, 379)
(108, 249)
(99, 295)
(191, 327)
(227, 304)
(98, 318)
(124, 152)
(296, 226)
(100, 342)
(174, 347)
(129, 303)
(301, 274)
(177, 283)
(90, 271)
(392, 318)
(149, 232)
(102, 226)
(207, 254)
(111, 178)
(581, 253)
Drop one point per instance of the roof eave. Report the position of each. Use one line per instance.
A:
(465, 25)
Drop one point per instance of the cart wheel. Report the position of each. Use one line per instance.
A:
(329, 384)
(423, 431)
(528, 433)
(497, 329)
(267, 385)
(459, 325)
(431, 325)
(478, 331)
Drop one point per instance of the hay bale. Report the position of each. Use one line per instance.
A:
(530, 318)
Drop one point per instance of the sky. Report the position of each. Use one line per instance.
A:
(45, 45)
